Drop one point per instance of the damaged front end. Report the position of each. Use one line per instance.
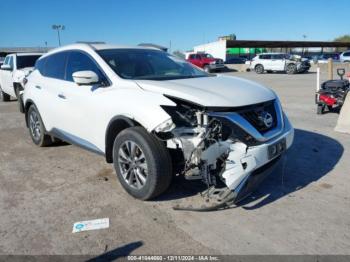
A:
(230, 149)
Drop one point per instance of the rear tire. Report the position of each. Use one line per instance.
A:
(3, 96)
(259, 69)
(142, 163)
(36, 128)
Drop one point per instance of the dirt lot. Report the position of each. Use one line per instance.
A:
(43, 191)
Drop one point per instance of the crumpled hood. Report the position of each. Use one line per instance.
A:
(216, 91)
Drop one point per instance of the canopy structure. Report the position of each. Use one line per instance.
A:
(10, 50)
(283, 44)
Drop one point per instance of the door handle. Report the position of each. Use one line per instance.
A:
(38, 87)
(62, 96)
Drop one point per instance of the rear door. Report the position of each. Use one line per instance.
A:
(197, 60)
(47, 87)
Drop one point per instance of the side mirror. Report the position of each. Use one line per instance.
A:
(6, 67)
(85, 78)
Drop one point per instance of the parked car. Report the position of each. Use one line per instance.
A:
(153, 115)
(13, 71)
(236, 60)
(206, 61)
(323, 58)
(274, 62)
(345, 57)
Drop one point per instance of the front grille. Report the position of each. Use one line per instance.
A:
(255, 116)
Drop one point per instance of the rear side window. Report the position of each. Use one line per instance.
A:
(347, 54)
(26, 61)
(278, 56)
(55, 65)
(265, 56)
(78, 61)
(191, 56)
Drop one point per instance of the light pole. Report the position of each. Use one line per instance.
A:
(304, 36)
(58, 28)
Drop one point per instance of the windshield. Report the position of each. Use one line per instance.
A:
(26, 61)
(148, 64)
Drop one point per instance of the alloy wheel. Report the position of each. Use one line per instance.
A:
(132, 164)
(34, 125)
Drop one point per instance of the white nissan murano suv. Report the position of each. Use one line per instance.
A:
(154, 115)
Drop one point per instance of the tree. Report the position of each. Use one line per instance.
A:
(343, 38)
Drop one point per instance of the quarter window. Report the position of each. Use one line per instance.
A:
(39, 65)
(55, 65)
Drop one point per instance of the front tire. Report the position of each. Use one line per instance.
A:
(142, 163)
(36, 128)
(3, 96)
(206, 68)
(291, 69)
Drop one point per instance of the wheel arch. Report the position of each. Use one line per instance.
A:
(29, 102)
(16, 86)
(115, 126)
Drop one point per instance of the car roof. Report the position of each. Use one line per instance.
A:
(26, 54)
(95, 46)
(272, 54)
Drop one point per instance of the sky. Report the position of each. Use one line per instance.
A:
(184, 23)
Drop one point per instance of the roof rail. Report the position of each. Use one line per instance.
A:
(91, 43)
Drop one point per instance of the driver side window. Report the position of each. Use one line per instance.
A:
(10, 62)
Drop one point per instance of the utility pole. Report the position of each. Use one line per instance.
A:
(304, 36)
(58, 28)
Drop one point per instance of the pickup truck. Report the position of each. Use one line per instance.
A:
(13, 70)
(206, 62)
